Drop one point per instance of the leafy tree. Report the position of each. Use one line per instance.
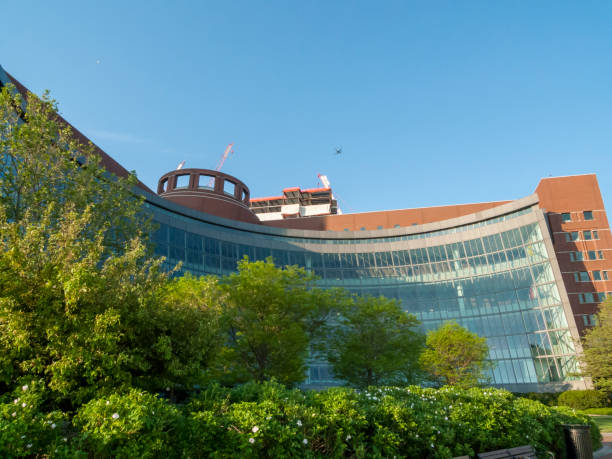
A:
(375, 343)
(597, 345)
(453, 355)
(185, 326)
(270, 313)
(81, 304)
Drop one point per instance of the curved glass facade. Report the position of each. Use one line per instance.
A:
(497, 277)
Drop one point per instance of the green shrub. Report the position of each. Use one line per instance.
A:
(599, 411)
(135, 424)
(270, 420)
(546, 398)
(584, 399)
(25, 430)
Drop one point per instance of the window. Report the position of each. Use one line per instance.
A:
(573, 236)
(206, 181)
(592, 255)
(589, 320)
(595, 235)
(601, 296)
(588, 214)
(605, 275)
(597, 275)
(586, 298)
(600, 254)
(182, 181)
(587, 235)
(566, 217)
(576, 256)
(581, 276)
(229, 187)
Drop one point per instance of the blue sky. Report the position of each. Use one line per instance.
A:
(433, 102)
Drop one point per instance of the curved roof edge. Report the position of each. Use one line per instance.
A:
(476, 217)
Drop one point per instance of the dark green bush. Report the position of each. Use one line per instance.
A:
(584, 399)
(546, 398)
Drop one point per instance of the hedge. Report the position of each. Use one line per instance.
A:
(269, 420)
(584, 399)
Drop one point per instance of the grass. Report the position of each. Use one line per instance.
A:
(604, 423)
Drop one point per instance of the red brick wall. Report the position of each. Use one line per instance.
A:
(574, 195)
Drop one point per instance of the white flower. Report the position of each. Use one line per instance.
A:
(13, 414)
(299, 423)
(107, 402)
(432, 445)
(417, 435)
(22, 437)
(255, 429)
(115, 416)
(305, 441)
(24, 388)
(251, 440)
(167, 389)
(29, 445)
(24, 404)
(16, 401)
(65, 439)
(446, 418)
(53, 426)
(268, 418)
(348, 437)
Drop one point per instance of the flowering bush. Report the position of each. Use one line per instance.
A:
(24, 429)
(135, 424)
(269, 420)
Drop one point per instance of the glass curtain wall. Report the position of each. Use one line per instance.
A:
(500, 286)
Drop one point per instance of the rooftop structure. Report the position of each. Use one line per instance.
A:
(295, 203)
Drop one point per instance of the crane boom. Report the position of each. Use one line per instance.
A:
(226, 153)
(326, 184)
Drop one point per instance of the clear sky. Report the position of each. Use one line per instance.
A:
(432, 102)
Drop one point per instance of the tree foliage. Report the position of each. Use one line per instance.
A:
(81, 304)
(375, 343)
(453, 355)
(597, 344)
(270, 314)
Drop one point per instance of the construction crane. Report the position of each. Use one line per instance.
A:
(326, 184)
(226, 153)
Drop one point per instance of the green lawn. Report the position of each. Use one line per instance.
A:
(604, 423)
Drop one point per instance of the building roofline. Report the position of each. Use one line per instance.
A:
(566, 176)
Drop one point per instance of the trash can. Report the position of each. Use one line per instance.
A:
(578, 444)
